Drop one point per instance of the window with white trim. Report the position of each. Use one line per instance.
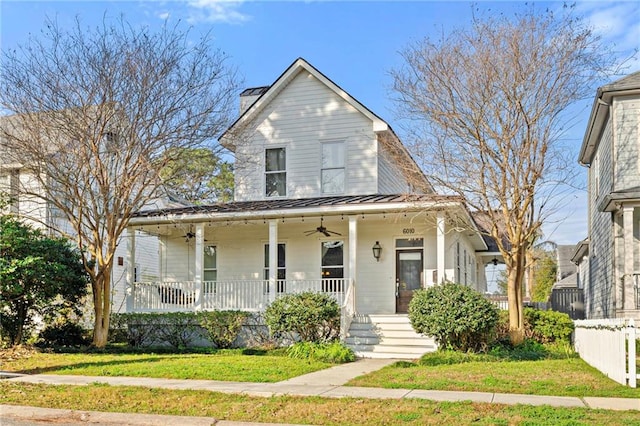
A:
(210, 270)
(281, 275)
(332, 265)
(275, 172)
(332, 174)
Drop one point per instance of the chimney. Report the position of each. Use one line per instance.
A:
(249, 96)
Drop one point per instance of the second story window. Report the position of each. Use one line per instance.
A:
(332, 173)
(275, 172)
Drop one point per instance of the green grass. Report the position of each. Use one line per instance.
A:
(484, 373)
(225, 365)
(301, 410)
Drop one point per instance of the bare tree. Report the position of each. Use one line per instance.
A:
(490, 106)
(97, 112)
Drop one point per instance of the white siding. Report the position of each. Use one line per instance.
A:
(301, 117)
(390, 177)
(626, 127)
(599, 291)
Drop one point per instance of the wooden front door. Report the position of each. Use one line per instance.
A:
(409, 266)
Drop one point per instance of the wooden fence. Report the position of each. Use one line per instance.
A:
(568, 300)
(610, 346)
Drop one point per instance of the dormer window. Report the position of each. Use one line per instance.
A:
(275, 172)
(332, 173)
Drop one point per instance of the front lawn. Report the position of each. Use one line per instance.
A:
(225, 365)
(562, 377)
(301, 410)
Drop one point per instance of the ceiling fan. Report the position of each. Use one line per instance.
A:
(322, 230)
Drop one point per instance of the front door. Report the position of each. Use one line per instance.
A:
(409, 265)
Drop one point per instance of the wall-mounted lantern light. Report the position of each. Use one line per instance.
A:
(377, 249)
(495, 261)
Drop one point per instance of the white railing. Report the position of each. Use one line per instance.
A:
(238, 295)
(636, 289)
(244, 295)
(347, 311)
(610, 346)
(164, 296)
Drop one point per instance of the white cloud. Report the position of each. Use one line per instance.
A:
(164, 15)
(216, 11)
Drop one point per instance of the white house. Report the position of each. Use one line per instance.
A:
(20, 188)
(609, 260)
(326, 199)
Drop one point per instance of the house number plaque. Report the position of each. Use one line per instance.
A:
(409, 231)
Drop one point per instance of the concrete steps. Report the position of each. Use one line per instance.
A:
(387, 336)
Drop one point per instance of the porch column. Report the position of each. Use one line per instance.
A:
(440, 229)
(199, 264)
(131, 264)
(353, 249)
(273, 258)
(629, 259)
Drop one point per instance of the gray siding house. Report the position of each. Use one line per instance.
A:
(610, 150)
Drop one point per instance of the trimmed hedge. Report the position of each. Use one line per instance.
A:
(178, 329)
(457, 316)
(312, 317)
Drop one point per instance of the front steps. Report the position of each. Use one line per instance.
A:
(387, 336)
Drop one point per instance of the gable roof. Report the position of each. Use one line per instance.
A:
(386, 135)
(600, 112)
(281, 82)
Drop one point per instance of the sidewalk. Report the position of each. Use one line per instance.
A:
(326, 383)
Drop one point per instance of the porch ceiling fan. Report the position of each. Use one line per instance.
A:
(322, 230)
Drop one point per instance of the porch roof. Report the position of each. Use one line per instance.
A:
(319, 206)
(612, 201)
(340, 204)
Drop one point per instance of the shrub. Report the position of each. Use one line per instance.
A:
(179, 329)
(334, 352)
(548, 326)
(313, 317)
(62, 334)
(446, 357)
(457, 316)
(140, 328)
(222, 327)
(257, 332)
(528, 350)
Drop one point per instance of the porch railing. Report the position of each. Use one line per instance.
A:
(636, 289)
(244, 295)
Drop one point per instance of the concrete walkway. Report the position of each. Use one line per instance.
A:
(326, 383)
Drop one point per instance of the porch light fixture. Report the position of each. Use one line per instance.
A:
(377, 249)
(495, 261)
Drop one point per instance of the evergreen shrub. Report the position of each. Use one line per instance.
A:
(309, 316)
(457, 316)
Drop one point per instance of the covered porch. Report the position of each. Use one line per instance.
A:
(368, 253)
(625, 206)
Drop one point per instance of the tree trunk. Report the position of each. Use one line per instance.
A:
(515, 280)
(102, 307)
(21, 316)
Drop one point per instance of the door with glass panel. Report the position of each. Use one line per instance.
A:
(409, 266)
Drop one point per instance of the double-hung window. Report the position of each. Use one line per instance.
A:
(332, 265)
(281, 275)
(332, 172)
(210, 269)
(275, 172)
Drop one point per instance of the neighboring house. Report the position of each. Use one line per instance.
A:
(566, 296)
(326, 199)
(611, 150)
(19, 187)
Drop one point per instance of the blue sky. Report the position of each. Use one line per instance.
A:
(355, 44)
